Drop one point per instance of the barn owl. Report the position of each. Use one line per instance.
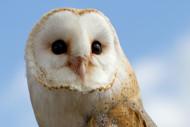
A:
(78, 75)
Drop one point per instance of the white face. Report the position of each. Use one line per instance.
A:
(77, 51)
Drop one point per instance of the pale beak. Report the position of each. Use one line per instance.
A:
(78, 65)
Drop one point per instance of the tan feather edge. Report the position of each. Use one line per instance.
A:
(102, 89)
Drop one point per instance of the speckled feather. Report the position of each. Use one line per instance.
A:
(126, 113)
(122, 115)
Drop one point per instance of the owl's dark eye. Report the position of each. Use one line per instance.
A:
(96, 47)
(59, 47)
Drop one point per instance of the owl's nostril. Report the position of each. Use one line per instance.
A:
(77, 61)
(80, 59)
(78, 65)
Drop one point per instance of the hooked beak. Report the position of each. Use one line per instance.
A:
(78, 65)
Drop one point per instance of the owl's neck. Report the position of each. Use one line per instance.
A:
(62, 107)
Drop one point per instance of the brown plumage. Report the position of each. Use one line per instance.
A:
(128, 112)
(122, 115)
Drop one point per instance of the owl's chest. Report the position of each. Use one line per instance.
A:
(61, 108)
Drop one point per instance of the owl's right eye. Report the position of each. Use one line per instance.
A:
(59, 47)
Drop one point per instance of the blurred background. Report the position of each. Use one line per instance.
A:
(154, 34)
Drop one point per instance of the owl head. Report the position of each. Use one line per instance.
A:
(74, 49)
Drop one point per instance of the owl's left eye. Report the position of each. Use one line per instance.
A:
(96, 47)
(59, 47)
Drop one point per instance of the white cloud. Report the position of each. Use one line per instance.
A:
(168, 113)
(165, 84)
(150, 71)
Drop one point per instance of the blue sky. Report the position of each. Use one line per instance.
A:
(155, 36)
